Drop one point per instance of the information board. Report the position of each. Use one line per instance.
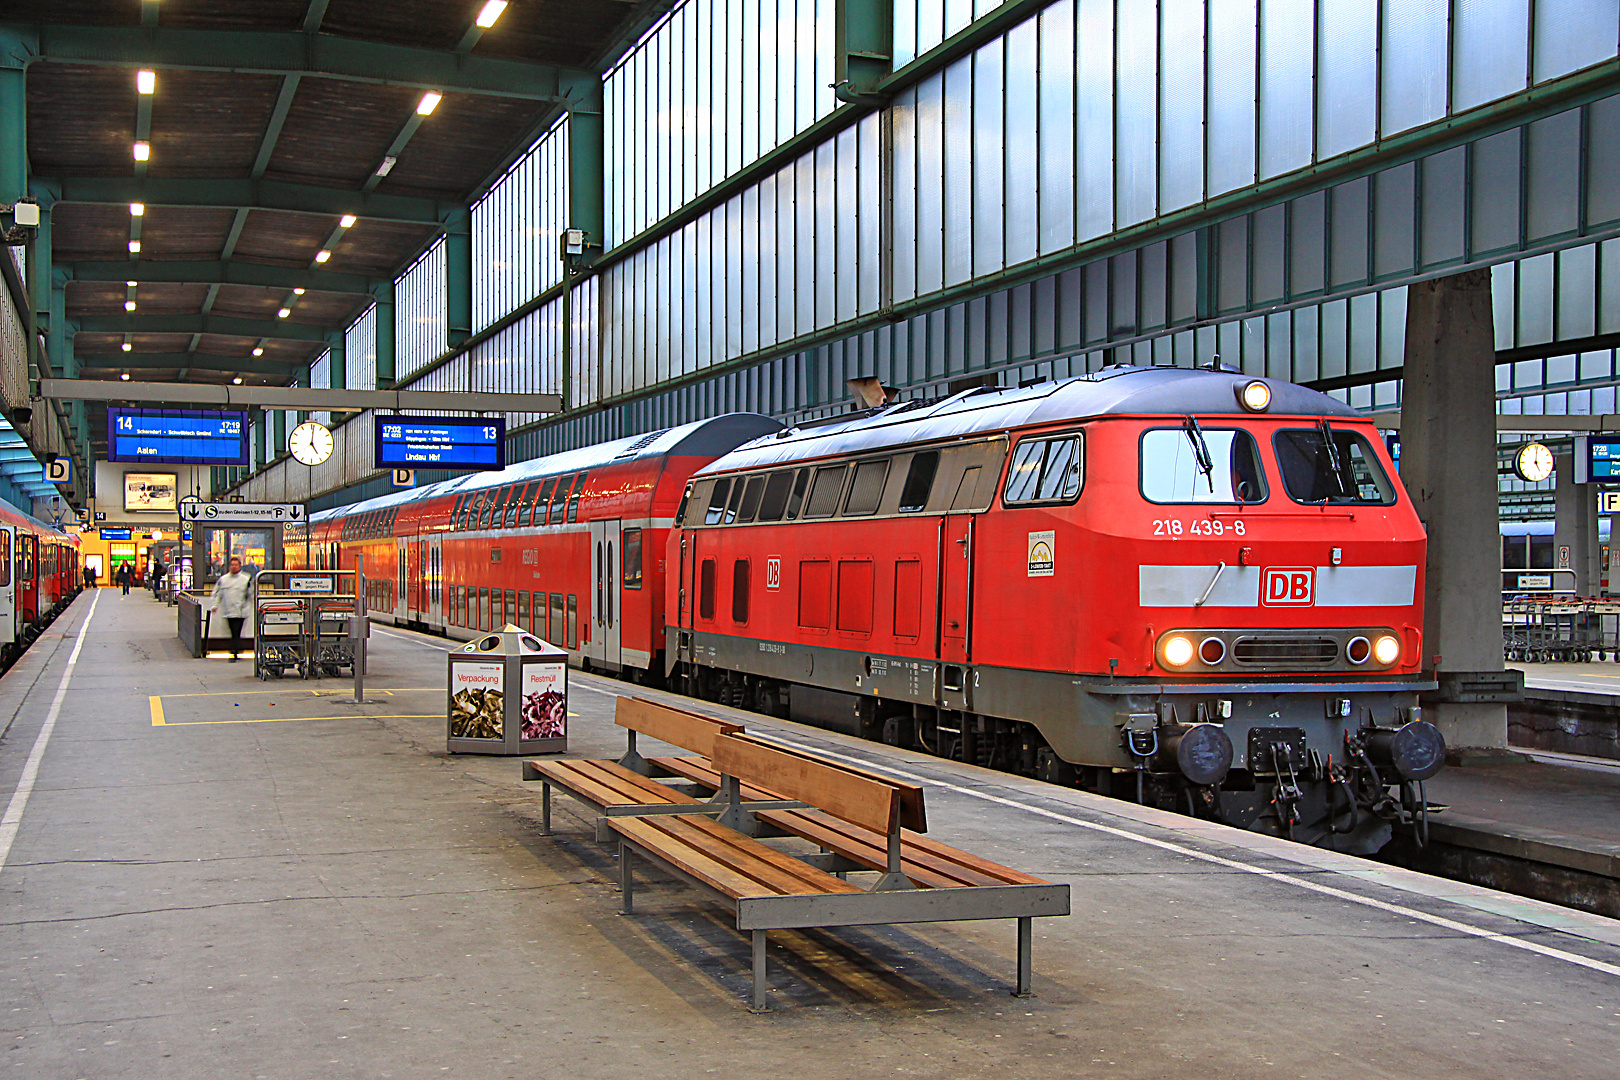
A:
(177, 436)
(115, 534)
(439, 442)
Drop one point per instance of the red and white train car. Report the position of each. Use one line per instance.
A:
(569, 547)
(1199, 588)
(39, 575)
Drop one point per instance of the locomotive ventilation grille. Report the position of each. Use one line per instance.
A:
(1295, 650)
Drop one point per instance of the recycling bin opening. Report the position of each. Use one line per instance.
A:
(507, 694)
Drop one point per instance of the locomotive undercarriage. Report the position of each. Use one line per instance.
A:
(1338, 765)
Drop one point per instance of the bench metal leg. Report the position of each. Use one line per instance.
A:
(1026, 942)
(627, 879)
(759, 971)
(545, 807)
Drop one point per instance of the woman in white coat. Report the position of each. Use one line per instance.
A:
(229, 598)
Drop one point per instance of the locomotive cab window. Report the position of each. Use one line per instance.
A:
(919, 481)
(1193, 464)
(750, 499)
(796, 499)
(1341, 470)
(717, 501)
(680, 511)
(774, 501)
(1046, 471)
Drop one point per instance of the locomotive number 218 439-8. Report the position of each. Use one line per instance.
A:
(1209, 527)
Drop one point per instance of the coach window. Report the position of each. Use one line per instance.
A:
(511, 612)
(774, 500)
(559, 499)
(523, 611)
(632, 558)
(556, 625)
(542, 503)
(706, 591)
(829, 485)
(1046, 470)
(750, 499)
(5, 558)
(801, 481)
(739, 592)
(919, 481)
(717, 501)
(1194, 464)
(866, 491)
(573, 499)
(573, 620)
(514, 504)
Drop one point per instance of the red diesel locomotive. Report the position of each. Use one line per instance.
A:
(1192, 588)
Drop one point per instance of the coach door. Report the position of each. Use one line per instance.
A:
(605, 592)
(428, 603)
(27, 582)
(8, 586)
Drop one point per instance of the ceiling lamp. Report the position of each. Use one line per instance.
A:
(137, 209)
(142, 151)
(237, 381)
(299, 291)
(134, 247)
(429, 102)
(126, 346)
(258, 350)
(387, 165)
(347, 221)
(124, 376)
(490, 13)
(283, 313)
(131, 284)
(146, 82)
(322, 255)
(129, 305)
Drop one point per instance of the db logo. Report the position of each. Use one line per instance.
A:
(1288, 586)
(773, 572)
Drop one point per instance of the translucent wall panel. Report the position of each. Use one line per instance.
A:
(320, 378)
(360, 351)
(706, 92)
(420, 318)
(517, 229)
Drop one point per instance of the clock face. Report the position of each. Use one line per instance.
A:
(1533, 462)
(310, 443)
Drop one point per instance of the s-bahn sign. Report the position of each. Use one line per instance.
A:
(238, 512)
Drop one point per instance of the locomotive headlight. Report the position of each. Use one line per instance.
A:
(1255, 396)
(1386, 649)
(1176, 651)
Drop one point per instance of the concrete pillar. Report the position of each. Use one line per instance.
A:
(1575, 527)
(1448, 463)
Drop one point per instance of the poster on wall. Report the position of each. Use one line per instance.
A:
(477, 699)
(545, 701)
(151, 493)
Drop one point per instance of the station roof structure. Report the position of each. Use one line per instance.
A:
(297, 154)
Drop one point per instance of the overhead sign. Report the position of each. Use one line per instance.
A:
(59, 470)
(1609, 502)
(177, 436)
(404, 478)
(439, 442)
(257, 513)
(115, 534)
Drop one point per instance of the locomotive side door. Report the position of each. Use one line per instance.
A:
(605, 592)
(8, 587)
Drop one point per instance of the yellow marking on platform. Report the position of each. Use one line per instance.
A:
(156, 722)
(157, 712)
(314, 691)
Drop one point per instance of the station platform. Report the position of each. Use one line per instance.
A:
(205, 875)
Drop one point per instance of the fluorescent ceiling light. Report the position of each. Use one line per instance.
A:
(491, 12)
(131, 284)
(126, 346)
(134, 247)
(322, 255)
(283, 313)
(347, 221)
(298, 292)
(237, 381)
(137, 209)
(125, 376)
(258, 350)
(129, 305)
(387, 165)
(146, 81)
(429, 102)
(143, 151)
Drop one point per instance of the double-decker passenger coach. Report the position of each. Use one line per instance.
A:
(1189, 587)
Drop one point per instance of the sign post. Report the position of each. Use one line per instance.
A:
(359, 630)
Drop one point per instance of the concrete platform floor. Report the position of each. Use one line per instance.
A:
(274, 882)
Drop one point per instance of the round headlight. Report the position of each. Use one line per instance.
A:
(1255, 396)
(1357, 650)
(1177, 651)
(1387, 649)
(1212, 650)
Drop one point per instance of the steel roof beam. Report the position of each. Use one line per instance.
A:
(220, 273)
(202, 324)
(253, 365)
(315, 54)
(244, 195)
(298, 397)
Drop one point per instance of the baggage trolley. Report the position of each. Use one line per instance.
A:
(278, 636)
(333, 649)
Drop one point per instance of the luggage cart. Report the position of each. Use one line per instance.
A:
(331, 648)
(278, 636)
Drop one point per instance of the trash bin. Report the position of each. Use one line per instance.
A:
(508, 694)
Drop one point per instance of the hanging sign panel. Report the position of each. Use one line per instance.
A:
(439, 442)
(177, 436)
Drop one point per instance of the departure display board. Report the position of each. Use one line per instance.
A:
(177, 436)
(1604, 458)
(439, 442)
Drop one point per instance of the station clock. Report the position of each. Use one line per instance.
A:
(1533, 462)
(310, 443)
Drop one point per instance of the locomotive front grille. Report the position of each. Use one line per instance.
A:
(1290, 651)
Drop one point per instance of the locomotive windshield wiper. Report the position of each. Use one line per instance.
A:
(1333, 454)
(1206, 464)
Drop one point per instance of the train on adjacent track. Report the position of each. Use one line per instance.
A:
(1192, 588)
(39, 576)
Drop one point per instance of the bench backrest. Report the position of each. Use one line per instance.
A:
(677, 727)
(861, 799)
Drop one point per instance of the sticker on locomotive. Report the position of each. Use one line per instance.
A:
(1042, 546)
(1288, 586)
(773, 572)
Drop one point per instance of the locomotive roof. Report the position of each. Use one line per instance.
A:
(702, 438)
(1112, 391)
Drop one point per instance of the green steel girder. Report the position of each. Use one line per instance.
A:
(863, 49)
(294, 53)
(254, 365)
(201, 324)
(244, 195)
(219, 273)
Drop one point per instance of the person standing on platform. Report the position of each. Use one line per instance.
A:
(229, 598)
(159, 571)
(123, 576)
(89, 577)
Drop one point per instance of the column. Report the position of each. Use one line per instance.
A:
(1575, 529)
(337, 364)
(1448, 464)
(13, 121)
(385, 337)
(458, 278)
